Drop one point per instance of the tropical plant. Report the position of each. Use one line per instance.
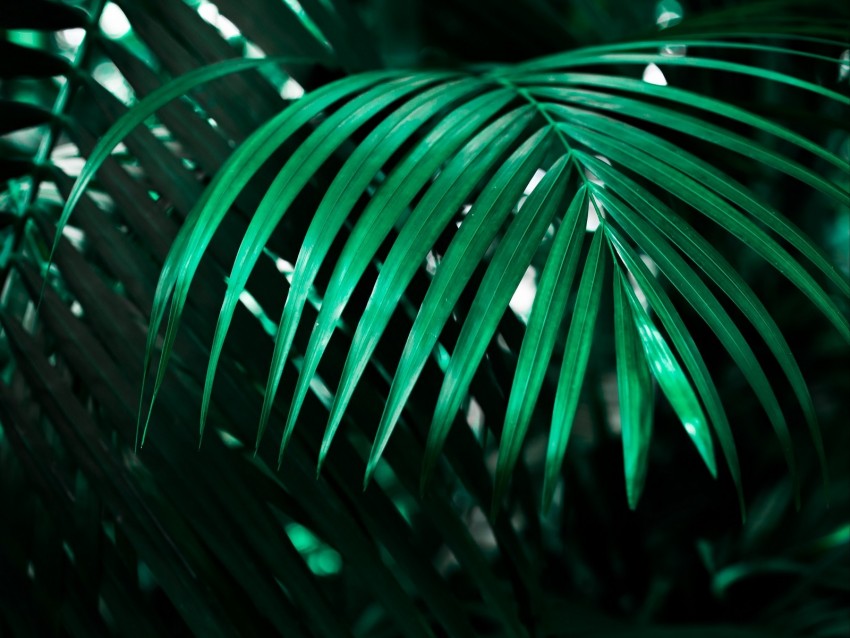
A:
(502, 241)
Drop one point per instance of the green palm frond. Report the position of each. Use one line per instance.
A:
(537, 246)
(419, 156)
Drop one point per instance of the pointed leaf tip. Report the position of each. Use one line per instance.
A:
(672, 379)
(636, 396)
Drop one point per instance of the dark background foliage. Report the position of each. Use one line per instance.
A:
(96, 539)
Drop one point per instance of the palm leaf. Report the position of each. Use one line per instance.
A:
(387, 218)
(634, 388)
(543, 325)
(574, 366)
(670, 377)
(548, 85)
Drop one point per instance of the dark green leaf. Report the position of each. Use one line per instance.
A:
(544, 323)
(574, 364)
(671, 378)
(421, 229)
(467, 248)
(636, 393)
(387, 206)
(339, 201)
(509, 263)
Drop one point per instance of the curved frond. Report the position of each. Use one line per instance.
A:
(491, 167)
